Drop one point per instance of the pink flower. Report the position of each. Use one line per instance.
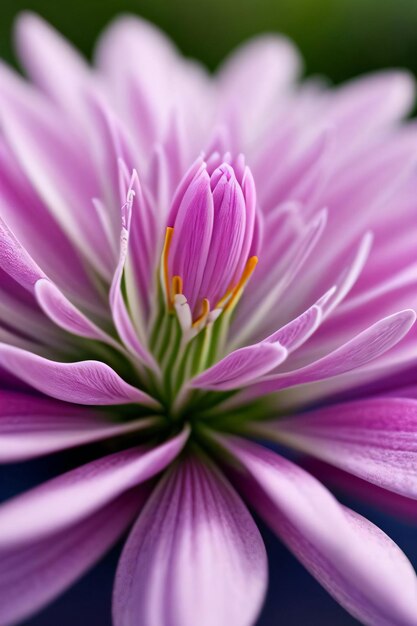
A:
(181, 302)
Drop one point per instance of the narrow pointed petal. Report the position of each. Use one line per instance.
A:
(37, 231)
(356, 562)
(34, 575)
(242, 367)
(257, 315)
(119, 310)
(227, 236)
(369, 102)
(61, 311)
(374, 439)
(85, 382)
(391, 503)
(71, 497)
(295, 333)
(241, 81)
(54, 158)
(192, 235)
(204, 558)
(45, 54)
(31, 426)
(365, 347)
(16, 261)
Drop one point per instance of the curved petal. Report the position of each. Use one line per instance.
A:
(204, 558)
(257, 74)
(365, 347)
(365, 104)
(296, 332)
(51, 62)
(85, 382)
(61, 311)
(31, 426)
(54, 155)
(389, 502)
(374, 439)
(73, 496)
(33, 575)
(119, 310)
(355, 561)
(16, 261)
(242, 367)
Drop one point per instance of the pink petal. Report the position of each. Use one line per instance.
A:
(31, 426)
(242, 367)
(55, 158)
(366, 103)
(71, 497)
(85, 382)
(61, 311)
(37, 231)
(33, 575)
(194, 556)
(15, 261)
(259, 310)
(374, 439)
(19, 265)
(119, 310)
(392, 503)
(362, 349)
(355, 561)
(257, 74)
(46, 55)
(192, 236)
(295, 333)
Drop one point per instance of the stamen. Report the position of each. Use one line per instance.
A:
(176, 286)
(221, 303)
(164, 264)
(204, 314)
(247, 273)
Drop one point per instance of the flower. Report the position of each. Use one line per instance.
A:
(192, 269)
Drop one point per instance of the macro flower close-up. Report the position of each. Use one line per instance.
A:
(209, 281)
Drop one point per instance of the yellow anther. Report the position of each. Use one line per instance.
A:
(176, 286)
(164, 264)
(205, 311)
(247, 273)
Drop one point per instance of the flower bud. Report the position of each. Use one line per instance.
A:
(209, 237)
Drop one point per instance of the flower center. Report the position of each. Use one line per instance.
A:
(210, 244)
(208, 256)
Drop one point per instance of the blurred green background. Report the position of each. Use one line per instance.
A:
(340, 38)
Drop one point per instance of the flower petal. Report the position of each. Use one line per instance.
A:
(365, 347)
(33, 575)
(241, 80)
(192, 236)
(296, 332)
(31, 426)
(16, 261)
(374, 439)
(61, 311)
(355, 561)
(54, 155)
(119, 310)
(403, 508)
(241, 367)
(73, 496)
(46, 55)
(85, 382)
(204, 558)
